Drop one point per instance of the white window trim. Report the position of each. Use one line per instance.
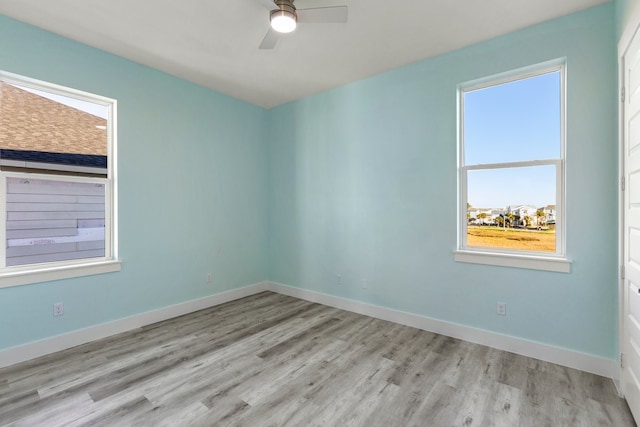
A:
(532, 262)
(48, 272)
(36, 273)
(555, 262)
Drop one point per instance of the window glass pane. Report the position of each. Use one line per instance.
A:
(43, 130)
(51, 220)
(57, 177)
(512, 208)
(515, 121)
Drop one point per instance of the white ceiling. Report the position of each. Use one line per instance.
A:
(215, 42)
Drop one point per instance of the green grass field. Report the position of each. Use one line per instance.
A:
(523, 240)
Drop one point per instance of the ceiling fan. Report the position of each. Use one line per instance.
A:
(285, 18)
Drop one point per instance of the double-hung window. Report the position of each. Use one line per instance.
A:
(57, 191)
(511, 146)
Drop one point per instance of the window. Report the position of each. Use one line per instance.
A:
(56, 182)
(511, 169)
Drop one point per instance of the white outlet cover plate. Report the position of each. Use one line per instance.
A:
(58, 309)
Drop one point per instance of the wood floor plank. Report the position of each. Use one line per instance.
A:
(412, 391)
(113, 413)
(274, 360)
(272, 384)
(367, 392)
(503, 409)
(438, 408)
(58, 411)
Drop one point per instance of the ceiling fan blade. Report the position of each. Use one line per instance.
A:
(335, 14)
(268, 4)
(270, 39)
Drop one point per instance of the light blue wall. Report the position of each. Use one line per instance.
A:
(192, 173)
(624, 9)
(359, 181)
(363, 184)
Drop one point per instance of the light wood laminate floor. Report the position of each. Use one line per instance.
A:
(273, 360)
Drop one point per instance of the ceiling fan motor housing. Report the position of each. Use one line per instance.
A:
(285, 6)
(285, 18)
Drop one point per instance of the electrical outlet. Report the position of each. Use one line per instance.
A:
(339, 279)
(58, 309)
(365, 284)
(501, 309)
(209, 278)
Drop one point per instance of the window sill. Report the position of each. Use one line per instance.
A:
(532, 262)
(48, 273)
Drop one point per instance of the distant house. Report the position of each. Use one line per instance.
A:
(475, 216)
(522, 211)
(519, 211)
(550, 214)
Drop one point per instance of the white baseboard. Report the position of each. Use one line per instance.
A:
(35, 349)
(572, 359)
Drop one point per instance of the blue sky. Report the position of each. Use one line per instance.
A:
(513, 122)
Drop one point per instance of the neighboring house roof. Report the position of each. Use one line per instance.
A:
(30, 122)
(520, 207)
(88, 160)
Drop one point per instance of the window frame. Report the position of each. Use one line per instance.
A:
(556, 261)
(42, 272)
